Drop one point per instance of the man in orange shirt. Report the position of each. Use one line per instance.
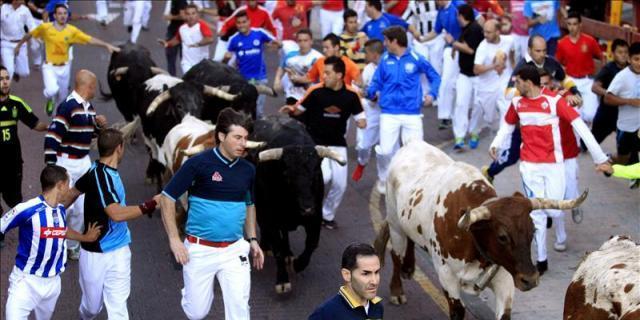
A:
(330, 48)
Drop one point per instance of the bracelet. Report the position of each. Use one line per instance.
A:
(253, 239)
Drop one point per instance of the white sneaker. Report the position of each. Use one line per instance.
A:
(381, 187)
(560, 247)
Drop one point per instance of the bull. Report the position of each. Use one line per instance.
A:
(606, 284)
(289, 191)
(475, 238)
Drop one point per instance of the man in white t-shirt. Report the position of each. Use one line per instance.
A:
(296, 62)
(493, 64)
(195, 36)
(624, 92)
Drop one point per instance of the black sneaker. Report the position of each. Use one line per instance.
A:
(549, 223)
(634, 184)
(329, 224)
(542, 267)
(444, 124)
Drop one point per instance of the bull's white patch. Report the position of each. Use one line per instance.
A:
(158, 82)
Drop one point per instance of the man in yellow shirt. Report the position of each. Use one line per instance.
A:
(58, 36)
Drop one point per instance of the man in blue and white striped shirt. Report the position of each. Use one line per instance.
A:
(34, 283)
(68, 139)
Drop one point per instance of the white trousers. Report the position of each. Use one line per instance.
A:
(102, 10)
(75, 213)
(394, 127)
(221, 49)
(335, 180)
(37, 47)
(134, 16)
(370, 136)
(331, 22)
(545, 180)
(571, 178)
(521, 44)
(446, 92)
(56, 81)
(28, 293)
(105, 278)
(484, 110)
(18, 64)
(465, 91)
(230, 266)
(589, 99)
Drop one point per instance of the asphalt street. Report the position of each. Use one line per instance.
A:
(612, 208)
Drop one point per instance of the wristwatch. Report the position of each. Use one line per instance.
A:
(252, 239)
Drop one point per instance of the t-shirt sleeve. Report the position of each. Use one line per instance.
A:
(395, 21)
(232, 45)
(603, 74)
(266, 37)
(565, 111)
(37, 32)
(617, 84)
(528, 10)
(352, 70)
(251, 198)
(481, 53)
(13, 218)
(106, 188)
(79, 37)
(27, 116)
(356, 105)
(595, 48)
(84, 183)
(205, 30)
(181, 181)
(511, 117)
(473, 38)
(309, 100)
(314, 72)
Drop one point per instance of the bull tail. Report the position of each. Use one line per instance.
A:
(105, 96)
(381, 241)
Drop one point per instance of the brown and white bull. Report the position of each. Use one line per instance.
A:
(475, 238)
(606, 285)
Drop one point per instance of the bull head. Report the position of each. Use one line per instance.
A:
(220, 92)
(119, 72)
(323, 152)
(473, 216)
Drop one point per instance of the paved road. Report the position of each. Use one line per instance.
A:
(611, 209)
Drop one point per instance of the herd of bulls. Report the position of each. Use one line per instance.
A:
(475, 238)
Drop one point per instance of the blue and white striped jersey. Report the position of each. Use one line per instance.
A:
(42, 230)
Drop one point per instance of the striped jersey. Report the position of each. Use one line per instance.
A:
(41, 241)
(71, 130)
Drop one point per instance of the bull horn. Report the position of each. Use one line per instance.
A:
(254, 144)
(473, 216)
(164, 96)
(216, 92)
(542, 203)
(119, 72)
(193, 150)
(156, 70)
(270, 154)
(325, 152)
(129, 130)
(262, 89)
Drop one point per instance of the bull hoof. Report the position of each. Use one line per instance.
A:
(282, 288)
(398, 300)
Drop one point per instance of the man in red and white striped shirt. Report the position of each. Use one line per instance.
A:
(542, 166)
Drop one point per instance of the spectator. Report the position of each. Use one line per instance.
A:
(470, 38)
(195, 37)
(331, 12)
(293, 16)
(296, 64)
(520, 30)
(576, 52)
(15, 19)
(422, 16)
(136, 17)
(174, 13)
(352, 39)
(247, 45)
(542, 19)
(382, 20)
(37, 10)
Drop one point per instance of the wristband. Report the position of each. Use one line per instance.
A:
(253, 239)
(148, 207)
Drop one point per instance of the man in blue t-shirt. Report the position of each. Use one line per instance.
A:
(542, 18)
(382, 20)
(247, 45)
(221, 210)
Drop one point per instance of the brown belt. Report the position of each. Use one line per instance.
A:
(14, 41)
(208, 243)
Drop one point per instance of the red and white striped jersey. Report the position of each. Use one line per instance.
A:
(568, 137)
(539, 120)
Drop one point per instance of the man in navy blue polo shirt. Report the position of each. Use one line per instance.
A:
(221, 206)
(247, 45)
(357, 298)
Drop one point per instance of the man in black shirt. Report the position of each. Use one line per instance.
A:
(327, 107)
(472, 35)
(12, 109)
(606, 117)
(175, 21)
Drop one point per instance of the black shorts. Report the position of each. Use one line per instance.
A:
(628, 142)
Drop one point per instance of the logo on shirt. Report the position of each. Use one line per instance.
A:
(217, 177)
(14, 112)
(545, 105)
(256, 42)
(584, 48)
(332, 109)
(409, 68)
(52, 232)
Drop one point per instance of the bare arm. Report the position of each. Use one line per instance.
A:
(616, 101)
(119, 213)
(479, 69)
(277, 80)
(250, 232)
(41, 127)
(462, 47)
(171, 43)
(598, 89)
(92, 234)
(97, 42)
(24, 39)
(70, 197)
(168, 208)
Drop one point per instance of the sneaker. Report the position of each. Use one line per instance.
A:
(459, 146)
(357, 173)
(474, 141)
(634, 184)
(329, 224)
(485, 173)
(443, 124)
(73, 254)
(381, 187)
(48, 108)
(542, 267)
(560, 247)
(576, 215)
(1, 240)
(549, 223)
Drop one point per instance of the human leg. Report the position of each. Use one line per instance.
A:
(337, 187)
(464, 93)
(117, 283)
(389, 136)
(92, 270)
(446, 91)
(198, 275)
(235, 281)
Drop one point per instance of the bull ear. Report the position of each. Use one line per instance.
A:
(518, 194)
(473, 216)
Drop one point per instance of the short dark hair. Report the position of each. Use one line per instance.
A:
(335, 40)
(634, 49)
(229, 117)
(191, 6)
(396, 33)
(242, 13)
(529, 72)
(351, 253)
(530, 42)
(574, 15)
(619, 43)
(60, 5)
(376, 4)
(466, 11)
(51, 175)
(336, 63)
(304, 31)
(348, 14)
(108, 140)
(2, 67)
(374, 45)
